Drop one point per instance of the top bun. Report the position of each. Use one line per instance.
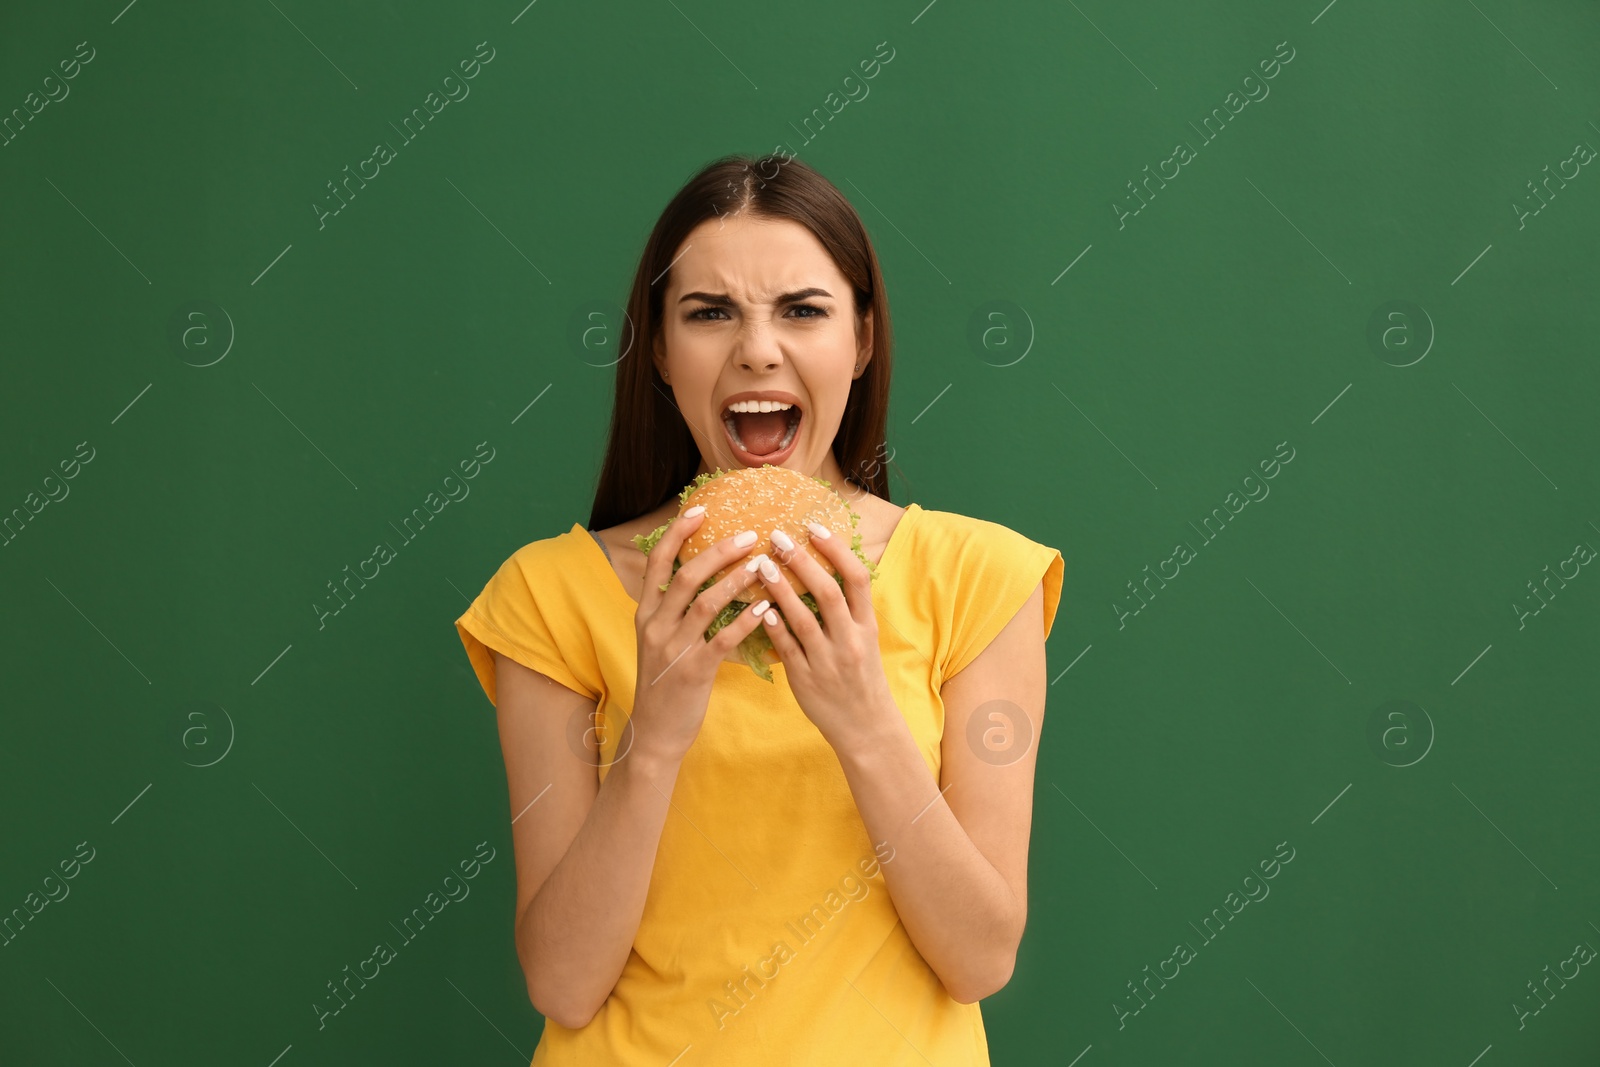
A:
(762, 499)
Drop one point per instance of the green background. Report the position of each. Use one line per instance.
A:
(161, 615)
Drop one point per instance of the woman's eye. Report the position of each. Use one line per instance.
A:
(713, 314)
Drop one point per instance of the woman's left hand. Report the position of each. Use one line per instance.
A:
(835, 668)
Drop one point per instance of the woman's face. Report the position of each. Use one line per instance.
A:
(758, 306)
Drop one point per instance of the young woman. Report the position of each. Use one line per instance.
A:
(713, 869)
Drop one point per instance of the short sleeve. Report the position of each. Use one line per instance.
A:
(993, 572)
(527, 614)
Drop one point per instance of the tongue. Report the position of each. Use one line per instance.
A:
(761, 431)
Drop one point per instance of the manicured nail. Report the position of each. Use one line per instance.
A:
(755, 562)
(763, 606)
(782, 540)
(818, 531)
(769, 570)
(744, 539)
(695, 512)
(771, 619)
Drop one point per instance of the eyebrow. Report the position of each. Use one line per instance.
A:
(723, 300)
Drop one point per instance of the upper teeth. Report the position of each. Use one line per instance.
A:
(759, 405)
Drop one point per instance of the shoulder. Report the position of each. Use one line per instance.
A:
(955, 535)
(535, 610)
(550, 550)
(619, 539)
(543, 566)
(972, 576)
(978, 556)
(543, 587)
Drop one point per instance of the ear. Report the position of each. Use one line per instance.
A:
(864, 342)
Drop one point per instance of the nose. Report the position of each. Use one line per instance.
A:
(756, 348)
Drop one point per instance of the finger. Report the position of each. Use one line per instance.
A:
(784, 644)
(730, 635)
(814, 577)
(857, 585)
(658, 565)
(691, 634)
(743, 584)
(692, 575)
(802, 623)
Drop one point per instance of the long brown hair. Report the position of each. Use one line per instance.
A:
(650, 453)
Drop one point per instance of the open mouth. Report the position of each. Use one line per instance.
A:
(762, 431)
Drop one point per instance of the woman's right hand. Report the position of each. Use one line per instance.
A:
(676, 664)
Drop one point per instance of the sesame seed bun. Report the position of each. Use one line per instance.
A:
(762, 499)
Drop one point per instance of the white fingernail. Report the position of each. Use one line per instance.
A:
(755, 562)
(761, 607)
(769, 570)
(818, 531)
(744, 539)
(782, 540)
(698, 509)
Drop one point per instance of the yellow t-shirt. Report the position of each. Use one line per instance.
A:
(768, 935)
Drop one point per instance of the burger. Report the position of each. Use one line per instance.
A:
(760, 499)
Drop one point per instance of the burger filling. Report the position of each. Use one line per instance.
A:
(762, 433)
